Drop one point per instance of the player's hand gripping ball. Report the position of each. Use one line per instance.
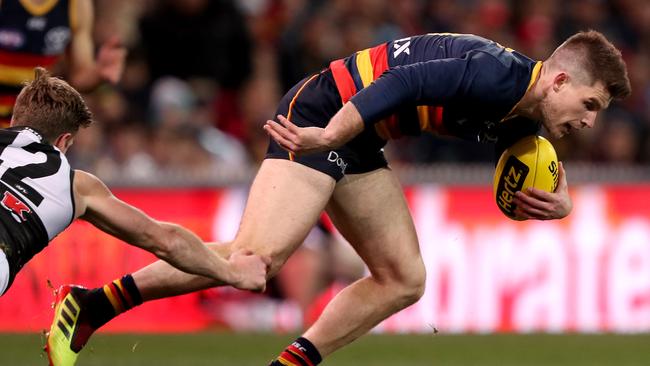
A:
(530, 162)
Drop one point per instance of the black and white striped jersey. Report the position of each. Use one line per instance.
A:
(36, 195)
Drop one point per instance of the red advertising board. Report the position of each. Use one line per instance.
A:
(485, 273)
(84, 255)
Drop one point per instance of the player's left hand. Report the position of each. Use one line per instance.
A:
(248, 270)
(110, 60)
(297, 140)
(541, 205)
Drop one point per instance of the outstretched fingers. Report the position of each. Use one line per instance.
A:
(296, 140)
(281, 135)
(290, 126)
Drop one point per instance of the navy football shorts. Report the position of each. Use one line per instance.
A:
(313, 102)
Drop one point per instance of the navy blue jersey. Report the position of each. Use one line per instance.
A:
(456, 84)
(30, 35)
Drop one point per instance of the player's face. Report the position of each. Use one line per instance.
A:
(571, 106)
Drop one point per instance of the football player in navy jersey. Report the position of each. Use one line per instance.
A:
(38, 33)
(461, 85)
(40, 195)
(326, 154)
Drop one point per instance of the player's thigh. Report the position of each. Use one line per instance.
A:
(284, 203)
(371, 212)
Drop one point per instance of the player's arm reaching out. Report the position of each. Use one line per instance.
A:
(170, 242)
(86, 71)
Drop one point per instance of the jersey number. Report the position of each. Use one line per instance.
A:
(14, 176)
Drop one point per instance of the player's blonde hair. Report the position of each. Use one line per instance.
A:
(51, 106)
(591, 57)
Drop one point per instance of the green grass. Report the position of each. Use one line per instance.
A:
(376, 350)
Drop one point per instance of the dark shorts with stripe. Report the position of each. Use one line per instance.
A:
(313, 102)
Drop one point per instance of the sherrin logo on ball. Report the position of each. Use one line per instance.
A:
(530, 162)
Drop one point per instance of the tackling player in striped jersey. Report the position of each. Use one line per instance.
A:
(40, 196)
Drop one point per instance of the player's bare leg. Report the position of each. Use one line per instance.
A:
(284, 203)
(371, 212)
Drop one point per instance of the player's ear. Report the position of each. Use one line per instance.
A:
(560, 80)
(64, 141)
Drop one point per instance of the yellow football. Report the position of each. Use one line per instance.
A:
(530, 162)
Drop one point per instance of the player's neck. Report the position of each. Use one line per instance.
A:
(529, 105)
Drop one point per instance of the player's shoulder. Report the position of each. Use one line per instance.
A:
(477, 48)
(457, 37)
(505, 56)
(88, 190)
(455, 43)
(493, 63)
(87, 184)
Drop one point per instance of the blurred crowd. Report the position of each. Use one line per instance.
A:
(202, 76)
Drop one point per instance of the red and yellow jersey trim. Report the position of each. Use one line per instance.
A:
(7, 104)
(17, 68)
(366, 65)
(38, 10)
(430, 118)
(343, 80)
(73, 15)
(360, 70)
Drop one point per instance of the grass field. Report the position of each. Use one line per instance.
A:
(444, 350)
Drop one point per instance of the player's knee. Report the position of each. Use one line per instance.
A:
(401, 288)
(413, 284)
(406, 285)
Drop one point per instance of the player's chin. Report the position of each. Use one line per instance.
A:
(557, 133)
(554, 131)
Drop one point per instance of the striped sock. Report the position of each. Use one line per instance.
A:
(299, 353)
(123, 294)
(111, 300)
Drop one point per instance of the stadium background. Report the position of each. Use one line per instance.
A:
(181, 137)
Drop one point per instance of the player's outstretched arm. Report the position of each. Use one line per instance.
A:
(541, 205)
(170, 242)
